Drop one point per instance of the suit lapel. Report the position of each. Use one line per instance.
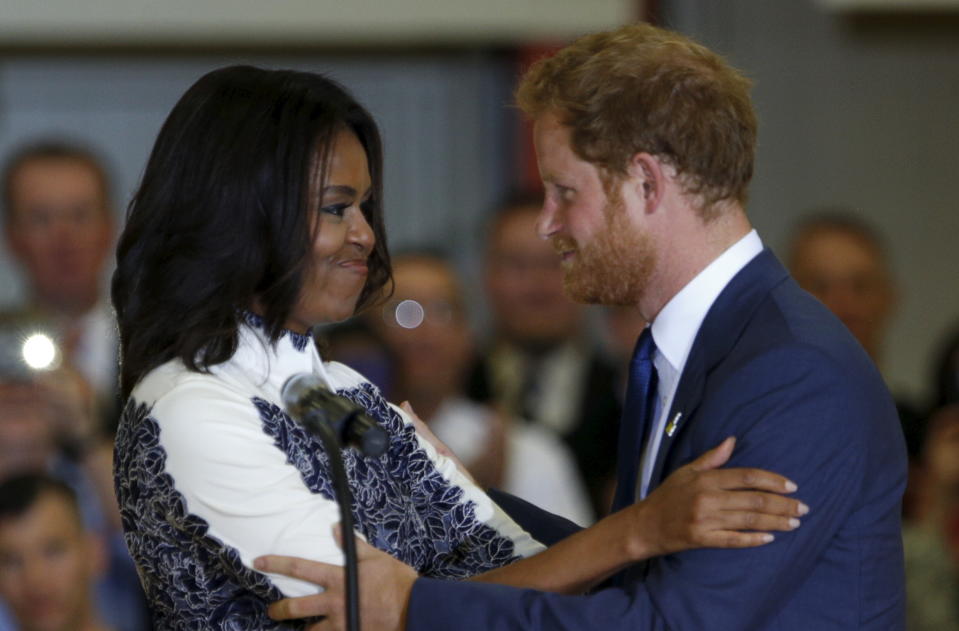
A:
(719, 332)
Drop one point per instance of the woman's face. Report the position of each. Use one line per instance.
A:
(336, 271)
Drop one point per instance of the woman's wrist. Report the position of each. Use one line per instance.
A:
(634, 532)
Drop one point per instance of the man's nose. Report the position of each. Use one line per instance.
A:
(548, 222)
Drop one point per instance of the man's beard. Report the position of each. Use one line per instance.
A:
(614, 267)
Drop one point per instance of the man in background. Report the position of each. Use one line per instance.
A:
(48, 562)
(47, 429)
(427, 330)
(539, 364)
(841, 259)
(59, 228)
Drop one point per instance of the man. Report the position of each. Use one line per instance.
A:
(40, 415)
(48, 563)
(426, 328)
(540, 365)
(839, 259)
(59, 229)
(645, 142)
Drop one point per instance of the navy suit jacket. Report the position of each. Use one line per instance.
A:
(771, 366)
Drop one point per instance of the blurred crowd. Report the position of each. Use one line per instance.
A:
(530, 402)
(63, 561)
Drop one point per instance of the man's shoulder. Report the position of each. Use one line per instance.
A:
(792, 328)
(795, 371)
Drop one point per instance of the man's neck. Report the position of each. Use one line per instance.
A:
(692, 246)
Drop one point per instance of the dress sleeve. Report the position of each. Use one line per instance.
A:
(253, 494)
(232, 476)
(487, 511)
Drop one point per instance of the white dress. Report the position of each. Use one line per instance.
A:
(211, 473)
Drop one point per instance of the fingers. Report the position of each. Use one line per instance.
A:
(739, 478)
(304, 606)
(757, 522)
(409, 410)
(758, 479)
(363, 549)
(715, 457)
(732, 539)
(421, 427)
(760, 503)
(743, 529)
(760, 513)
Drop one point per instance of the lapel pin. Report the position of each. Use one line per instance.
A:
(673, 424)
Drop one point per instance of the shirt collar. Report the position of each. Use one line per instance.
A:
(675, 328)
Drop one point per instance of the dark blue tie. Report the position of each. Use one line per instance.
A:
(634, 427)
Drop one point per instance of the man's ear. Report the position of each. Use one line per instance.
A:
(650, 180)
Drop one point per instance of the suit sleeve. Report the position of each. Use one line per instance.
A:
(543, 526)
(793, 411)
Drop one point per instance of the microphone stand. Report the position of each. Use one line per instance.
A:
(316, 423)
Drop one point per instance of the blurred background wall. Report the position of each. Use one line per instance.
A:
(860, 109)
(855, 107)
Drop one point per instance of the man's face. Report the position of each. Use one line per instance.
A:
(524, 282)
(607, 258)
(60, 230)
(847, 275)
(46, 566)
(425, 326)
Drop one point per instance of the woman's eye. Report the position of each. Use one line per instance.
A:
(337, 210)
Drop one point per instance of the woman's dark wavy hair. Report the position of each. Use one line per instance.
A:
(221, 215)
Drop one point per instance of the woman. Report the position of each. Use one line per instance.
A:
(259, 216)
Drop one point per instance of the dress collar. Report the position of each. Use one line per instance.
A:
(271, 364)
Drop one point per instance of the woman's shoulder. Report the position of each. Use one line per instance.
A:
(173, 378)
(172, 391)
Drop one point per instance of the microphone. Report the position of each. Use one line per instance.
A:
(308, 399)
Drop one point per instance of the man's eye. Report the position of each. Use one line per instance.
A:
(565, 193)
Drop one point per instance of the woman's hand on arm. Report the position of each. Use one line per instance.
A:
(427, 434)
(698, 506)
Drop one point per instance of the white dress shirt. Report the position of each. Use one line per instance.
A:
(675, 329)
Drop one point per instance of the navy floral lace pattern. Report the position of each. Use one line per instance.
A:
(401, 503)
(299, 341)
(191, 579)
